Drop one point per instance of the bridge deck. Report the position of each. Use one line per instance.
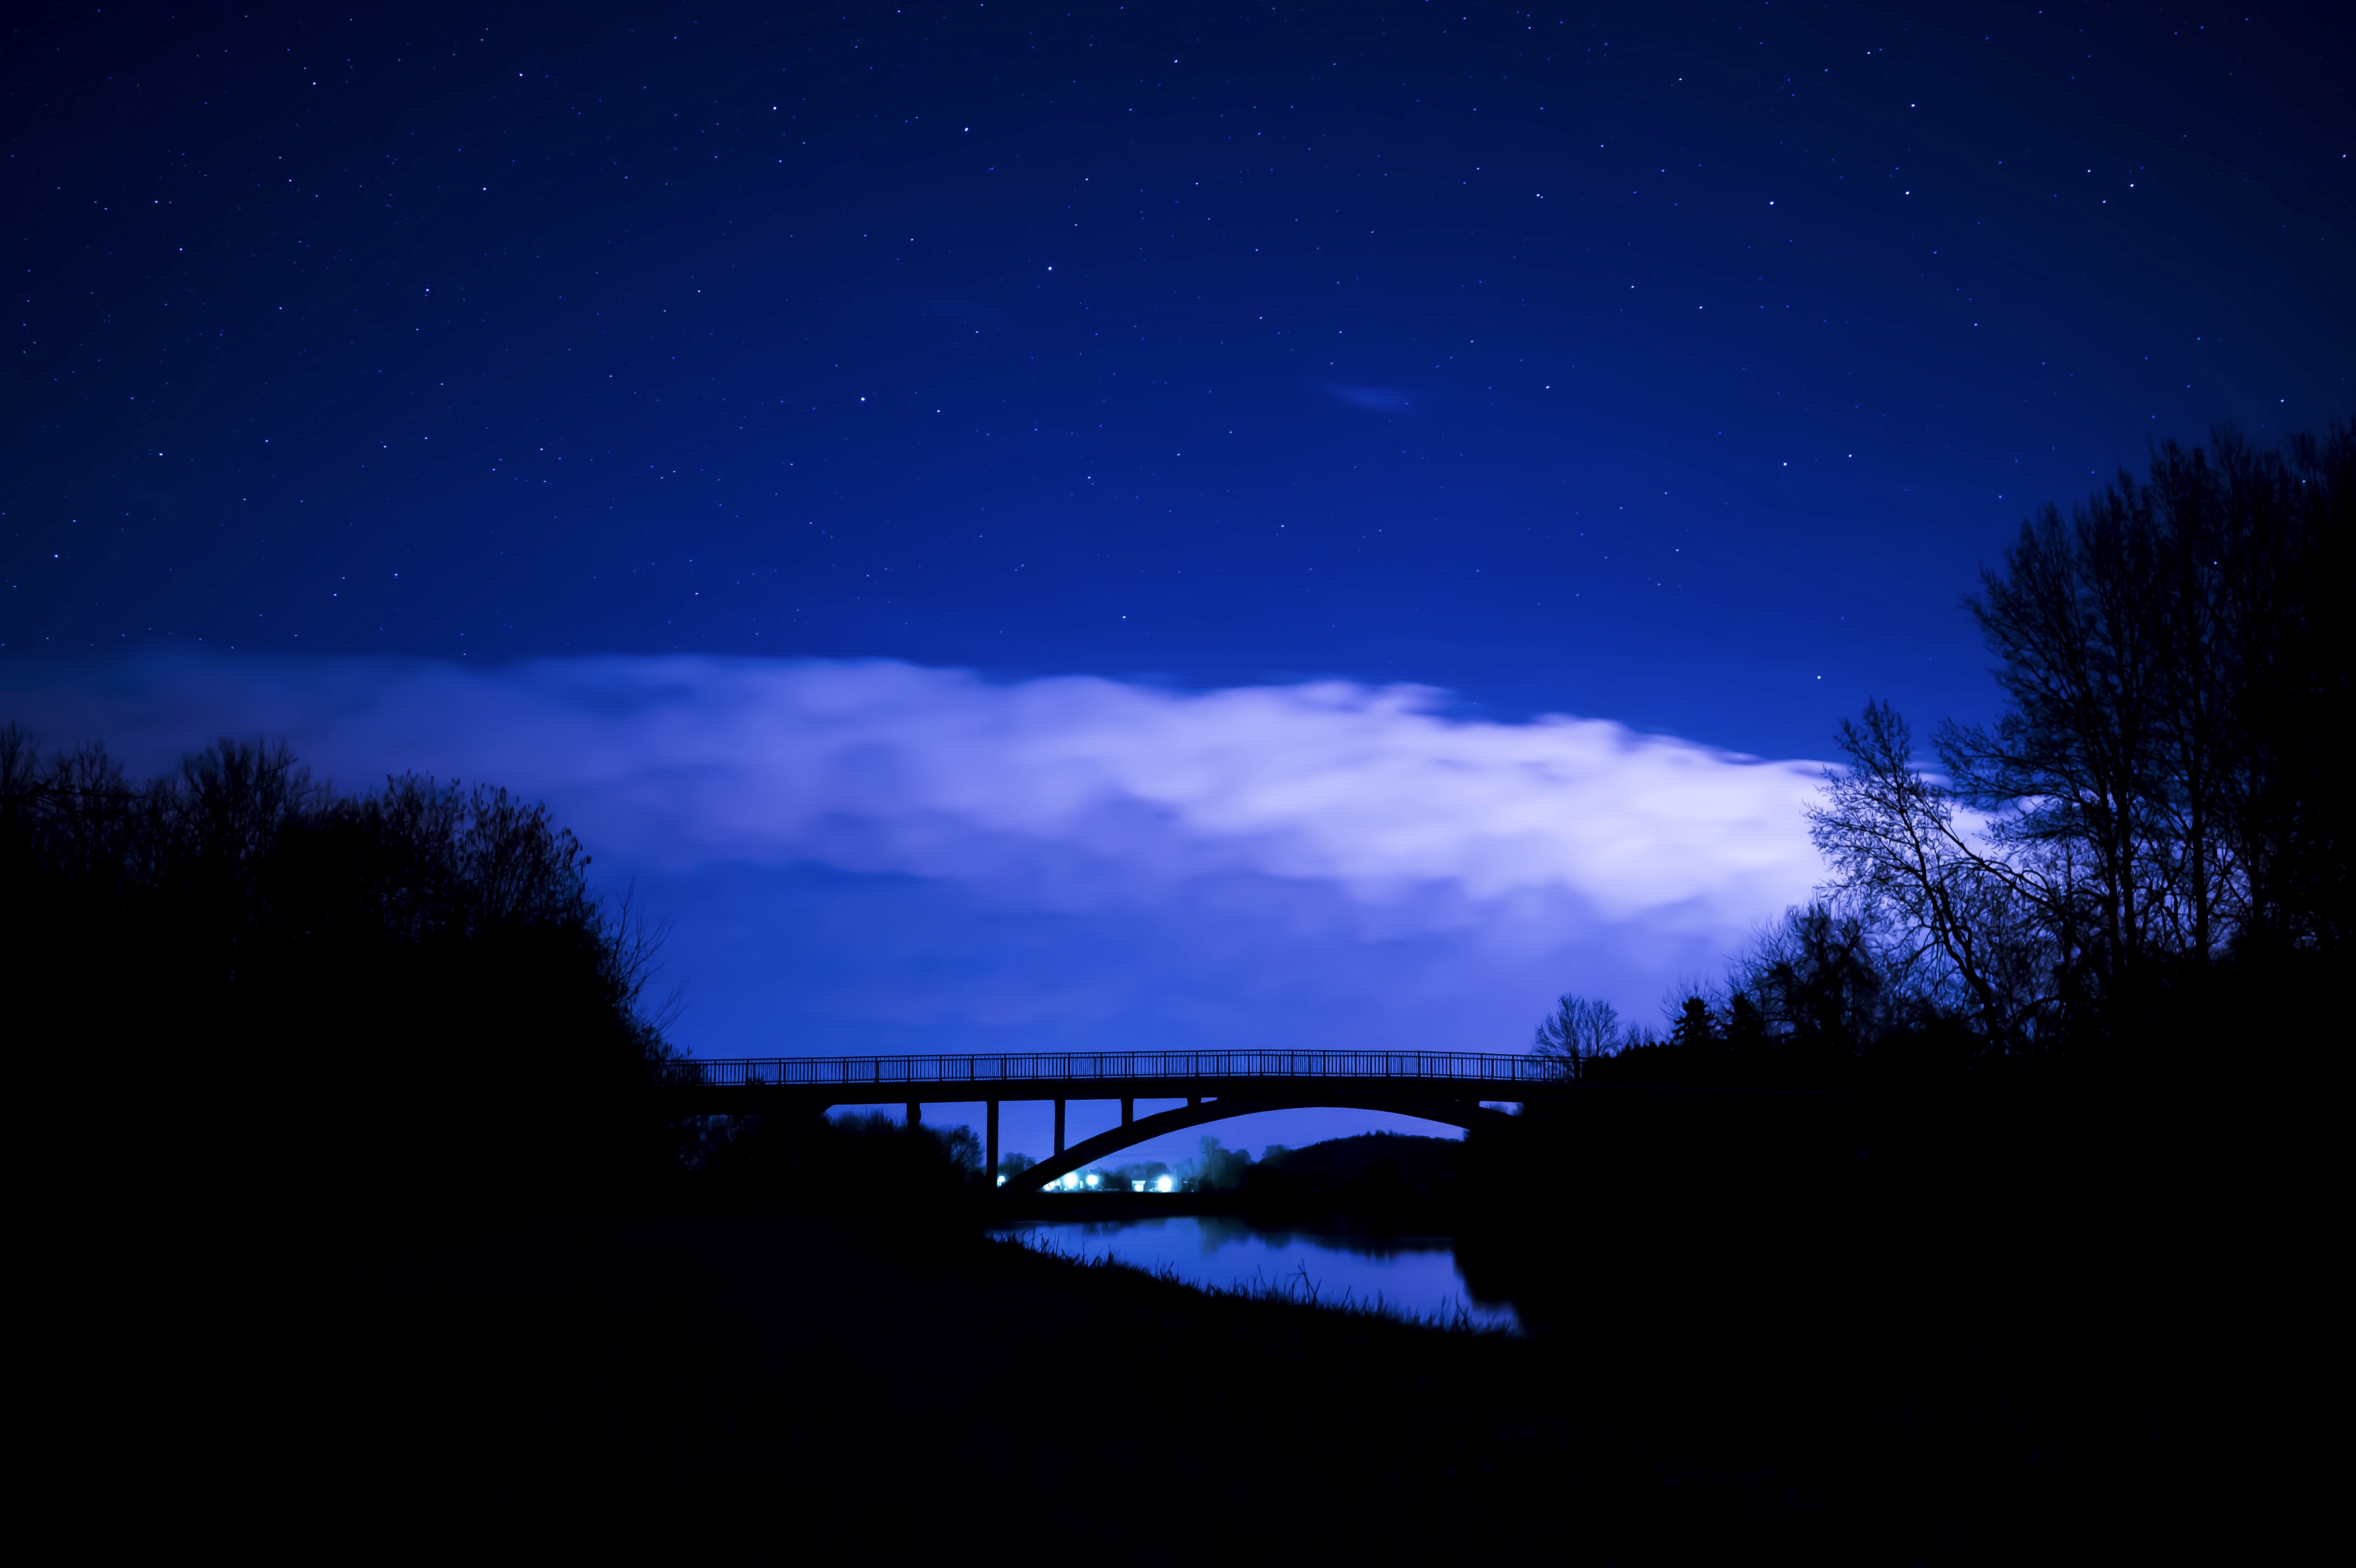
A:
(1082, 1075)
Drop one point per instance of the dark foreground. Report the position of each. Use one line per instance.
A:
(690, 1387)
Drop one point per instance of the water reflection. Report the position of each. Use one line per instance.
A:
(1414, 1276)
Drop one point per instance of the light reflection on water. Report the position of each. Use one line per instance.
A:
(1414, 1276)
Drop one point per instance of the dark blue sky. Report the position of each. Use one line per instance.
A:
(1676, 365)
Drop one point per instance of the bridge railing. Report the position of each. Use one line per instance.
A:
(979, 1073)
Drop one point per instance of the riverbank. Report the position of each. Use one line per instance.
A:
(772, 1387)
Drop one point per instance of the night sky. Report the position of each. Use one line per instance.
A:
(1676, 366)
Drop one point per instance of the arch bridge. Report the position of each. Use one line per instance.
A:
(1449, 1087)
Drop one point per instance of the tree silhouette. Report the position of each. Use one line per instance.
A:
(1976, 927)
(1579, 1030)
(2160, 791)
(1815, 979)
(281, 997)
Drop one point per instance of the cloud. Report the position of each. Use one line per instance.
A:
(1382, 400)
(1081, 856)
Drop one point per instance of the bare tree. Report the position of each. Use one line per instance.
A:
(1818, 977)
(2160, 788)
(1579, 1030)
(1970, 920)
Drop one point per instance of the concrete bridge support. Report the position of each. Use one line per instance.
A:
(989, 1170)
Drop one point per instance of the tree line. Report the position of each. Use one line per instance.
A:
(2146, 851)
(233, 986)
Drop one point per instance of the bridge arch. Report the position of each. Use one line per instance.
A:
(1465, 1113)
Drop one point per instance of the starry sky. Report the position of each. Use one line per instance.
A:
(1671, 366)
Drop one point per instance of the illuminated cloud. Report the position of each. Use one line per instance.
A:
(1325, 840)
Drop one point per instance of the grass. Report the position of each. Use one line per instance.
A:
(763, 1387)
(1299, 1289)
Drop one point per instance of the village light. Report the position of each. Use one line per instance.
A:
(1166, 1183)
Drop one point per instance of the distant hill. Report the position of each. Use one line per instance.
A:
(1372, 1165)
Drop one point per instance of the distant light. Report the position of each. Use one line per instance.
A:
(1165, 1183)
(1095, 1180)
(1002, 1181)
(1137, 1186)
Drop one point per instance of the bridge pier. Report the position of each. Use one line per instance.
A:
(1128, 1111)
(1059, 1128)
(989, 1171)
(916, 1113)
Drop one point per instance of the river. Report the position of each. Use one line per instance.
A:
(1414, 1276)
